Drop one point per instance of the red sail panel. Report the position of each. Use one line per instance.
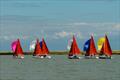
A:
(92, 49)
(37, 50)
(45, 49)
(18, 50)
(74, 48)
(106, 49)
(102, 49)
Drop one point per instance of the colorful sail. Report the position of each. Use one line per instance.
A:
(32, 45)
(106, 49)
(100, 43)
(37, 50)
(92, 48)
(69, 44)
(86, 45)
(45, 49)
(40, 43)
(18, 50)
(13, 45)
(74, 48)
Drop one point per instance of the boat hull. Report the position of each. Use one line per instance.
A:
(18, 57)
(73, 57)
(104, 57)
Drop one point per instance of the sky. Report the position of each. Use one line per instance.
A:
(57, 21)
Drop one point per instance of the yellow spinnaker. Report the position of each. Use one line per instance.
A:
(100, 43)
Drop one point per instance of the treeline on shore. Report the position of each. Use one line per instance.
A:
(115, 52)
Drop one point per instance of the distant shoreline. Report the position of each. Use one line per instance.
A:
(115, 52)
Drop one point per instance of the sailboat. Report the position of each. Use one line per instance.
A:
(37, 50)
(74, 50)
(45, 50)
(106, 51)
(18, 51)
(91, 49)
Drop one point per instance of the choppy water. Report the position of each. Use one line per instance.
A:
(59, 68)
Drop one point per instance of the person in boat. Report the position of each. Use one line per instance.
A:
(90, 55)
(15, 56)
(104, 56)
(34, 55)
(93, 55)
(45, 56)
(72, 56)
(86, 54)
(107, 56)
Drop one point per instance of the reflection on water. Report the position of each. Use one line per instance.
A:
(59, 68)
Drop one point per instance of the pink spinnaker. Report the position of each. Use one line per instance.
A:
(13, 45)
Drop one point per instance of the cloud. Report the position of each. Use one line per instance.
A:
(97, 28)
(89, 24)
(77, 24)
(116, 27)
(12, 25)
(64, 34)
(13, 37)
(21, 3)
(26, 4)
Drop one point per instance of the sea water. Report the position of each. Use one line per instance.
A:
(59, 67)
